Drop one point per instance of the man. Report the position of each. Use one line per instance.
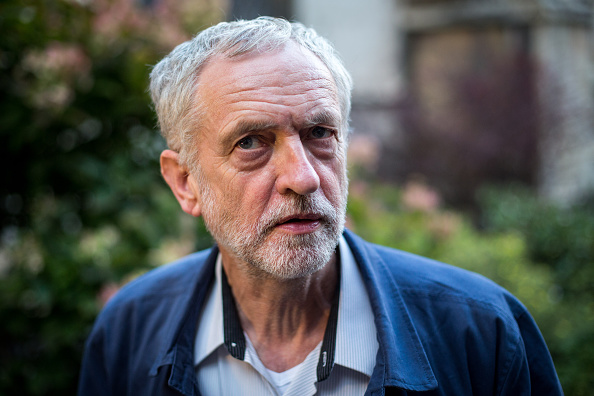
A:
(255, 114)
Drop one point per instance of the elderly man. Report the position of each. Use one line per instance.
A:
(255, 114)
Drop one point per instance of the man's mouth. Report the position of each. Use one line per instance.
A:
(300, 223)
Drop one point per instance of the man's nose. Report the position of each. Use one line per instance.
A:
(294, 170)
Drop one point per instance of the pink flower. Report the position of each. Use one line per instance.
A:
(108, 290)
(364, 151)
(418, 196)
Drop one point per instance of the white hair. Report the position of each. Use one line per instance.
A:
(174, 80)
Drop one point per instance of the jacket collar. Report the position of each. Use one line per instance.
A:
(401, 361)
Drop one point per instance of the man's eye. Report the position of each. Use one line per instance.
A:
(249, 143)
(320, 132)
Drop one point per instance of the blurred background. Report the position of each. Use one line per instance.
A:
(473, 143)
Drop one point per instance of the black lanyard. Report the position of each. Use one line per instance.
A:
(235, 339)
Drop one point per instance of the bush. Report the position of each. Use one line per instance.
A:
(82, 203)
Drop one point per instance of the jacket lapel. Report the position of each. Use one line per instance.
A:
(179, 349)
(401, 360)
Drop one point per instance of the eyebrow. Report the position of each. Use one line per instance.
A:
(323, 117)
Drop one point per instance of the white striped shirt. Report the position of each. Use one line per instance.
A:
(218, 373)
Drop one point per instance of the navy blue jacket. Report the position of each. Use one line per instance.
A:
(441, 331)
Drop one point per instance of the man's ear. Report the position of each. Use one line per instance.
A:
(181, 183)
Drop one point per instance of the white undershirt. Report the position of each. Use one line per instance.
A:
(281, 381)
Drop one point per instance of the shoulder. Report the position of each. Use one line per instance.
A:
(434, 284)
(165, 281)
(134, 331)
(464, 321)
(158, 297)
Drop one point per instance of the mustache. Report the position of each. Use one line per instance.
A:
(297, 205)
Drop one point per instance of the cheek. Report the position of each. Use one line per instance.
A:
(250, 192)
(334, 181)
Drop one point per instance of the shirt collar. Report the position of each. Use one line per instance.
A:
(356, 339)
(356, 343)
(210, 335)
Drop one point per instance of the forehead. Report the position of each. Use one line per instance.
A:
(286, 82)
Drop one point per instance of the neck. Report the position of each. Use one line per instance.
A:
(284, 319)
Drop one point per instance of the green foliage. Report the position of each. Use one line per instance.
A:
(550, 277)
(82, 204)
(558, 238)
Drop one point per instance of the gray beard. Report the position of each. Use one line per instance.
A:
(269, 254)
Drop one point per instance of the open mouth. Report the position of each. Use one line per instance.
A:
(300, 223)
(300, 219)
(296, 220)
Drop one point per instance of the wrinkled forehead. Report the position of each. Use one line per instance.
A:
(289, 79)
(285, 73)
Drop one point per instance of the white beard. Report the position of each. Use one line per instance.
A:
(269, 253)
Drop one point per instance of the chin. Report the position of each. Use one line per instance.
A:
(293, 257)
